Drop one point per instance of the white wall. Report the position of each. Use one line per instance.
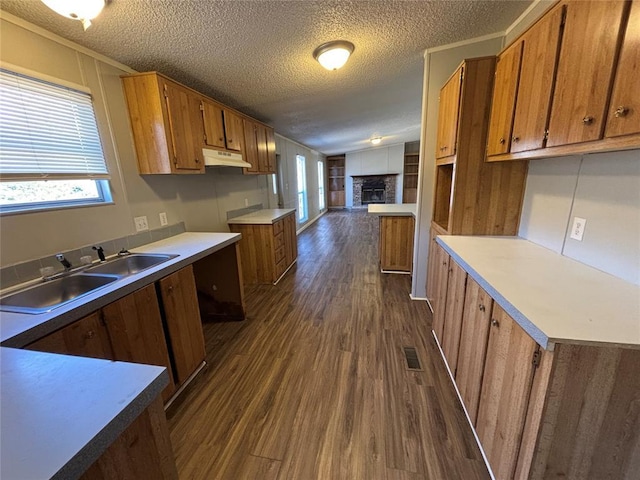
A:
(201, 201)
(602, 188)
(374, 161)
(438, 66)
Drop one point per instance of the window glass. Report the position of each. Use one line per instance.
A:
(302, 188)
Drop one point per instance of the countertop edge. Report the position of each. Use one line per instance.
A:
(253, 219)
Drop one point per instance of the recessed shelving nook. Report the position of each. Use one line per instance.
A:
(410, 174)
(335, 177)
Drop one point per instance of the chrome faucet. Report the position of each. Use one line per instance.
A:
(65, 263)
(100, 251)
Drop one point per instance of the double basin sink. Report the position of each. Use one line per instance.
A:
(51, 294)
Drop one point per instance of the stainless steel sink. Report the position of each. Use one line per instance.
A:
(44, 297)
(134, 263)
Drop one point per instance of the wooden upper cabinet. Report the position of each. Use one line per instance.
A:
(271, 150)
(260, 148)
(585, 71)
(250, 146)
(185, 127)
(233, 130)
(261, 141)
(504, 99)
(506, 387)
(213, 124)
(88, 337)
(624, 108)
(448, 115)
(539, 61)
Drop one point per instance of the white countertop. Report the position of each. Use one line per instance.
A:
(393, 209)
(18, 329)
(59, 413)
(554, 299)
(261, 217)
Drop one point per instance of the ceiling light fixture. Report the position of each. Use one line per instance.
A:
(333, 55)
(376, 140)
(83, 10)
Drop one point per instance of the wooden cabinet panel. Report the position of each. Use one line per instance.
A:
(234, 130)
(474, 335)
(396, 243)
(440, 296)
(259, 148)
(271, 150)
(182, 317)
(432, 268)
(624, 109)
(585, 71)
(504, 99)
(137, 335)
(290, 239)
(261, 141)
(535, 86)
(456, 285)
(185, 126)
(213, 124)
(448, 115)
(506, 386)
(250, 146)
(88, 337)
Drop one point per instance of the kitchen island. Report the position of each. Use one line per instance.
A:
(397, 224)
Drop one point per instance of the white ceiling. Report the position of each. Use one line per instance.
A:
(256, 56)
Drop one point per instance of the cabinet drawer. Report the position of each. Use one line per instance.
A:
(278, 241)
(281, 266)
(278, 227)
(279, 255)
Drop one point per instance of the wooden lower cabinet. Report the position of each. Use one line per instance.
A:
(440, 259)
(396, 243)
(182, 318)
(539, 414)
(267, 251)
(506, 384)
(450, 342)
(476, 318)
(143, 450)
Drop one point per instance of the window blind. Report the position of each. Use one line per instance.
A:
(47, 131)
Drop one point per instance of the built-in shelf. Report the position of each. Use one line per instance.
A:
(335, 177)
(410, 175)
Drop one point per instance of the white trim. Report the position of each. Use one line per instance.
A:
(462, 43)
(63, 41)
(44, 77)
(378, 147)
(519, 20)
(310, 222)
(424, 299)
(299, 144)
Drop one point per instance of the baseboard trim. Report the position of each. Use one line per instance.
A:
(419, 298)
(309, 223)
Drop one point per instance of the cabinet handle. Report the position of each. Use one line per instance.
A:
(588, 120)
(495, 323)
(443, 148)
(502, 140)
(515, 139)
(90, 334)
(197, 161)
(170, 288)
(221, 139)
(481, 307)
(621, 111)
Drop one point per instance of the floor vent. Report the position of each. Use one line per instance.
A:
(413, 363)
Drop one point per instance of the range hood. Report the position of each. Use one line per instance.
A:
(221, 158)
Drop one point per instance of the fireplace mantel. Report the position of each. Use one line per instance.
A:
(374, 175)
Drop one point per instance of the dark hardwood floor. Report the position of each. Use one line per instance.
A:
(314, 384)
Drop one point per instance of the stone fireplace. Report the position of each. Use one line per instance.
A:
(368, 189)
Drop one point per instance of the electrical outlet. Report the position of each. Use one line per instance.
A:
(163, 219)
(577, 231)
(141, 223)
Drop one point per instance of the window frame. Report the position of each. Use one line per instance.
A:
(322, 201)
(301, 177)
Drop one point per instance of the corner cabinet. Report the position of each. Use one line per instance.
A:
(481, 198)
(172, 123)
(570, 92)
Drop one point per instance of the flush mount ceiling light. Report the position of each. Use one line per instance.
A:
(376, 140)
(83, 10)
(333, 55)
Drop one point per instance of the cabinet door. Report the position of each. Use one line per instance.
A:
(585, 71)
(135, 328)
(271, 150)
(182, 316)
(250, 146)
(396, 243)
(506, 386)
(456, 285)
(624, 111)
(185, 127)
(233, 130)
(290, 238)
(88, 337)
(474, 334)
(213, 124)
(261, 140)
(440, 297)
(448, 115)
(539, 61)
(504, 99)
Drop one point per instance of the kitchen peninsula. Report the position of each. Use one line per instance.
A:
(397, 223)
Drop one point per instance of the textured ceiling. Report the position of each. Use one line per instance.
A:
(256, 56)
